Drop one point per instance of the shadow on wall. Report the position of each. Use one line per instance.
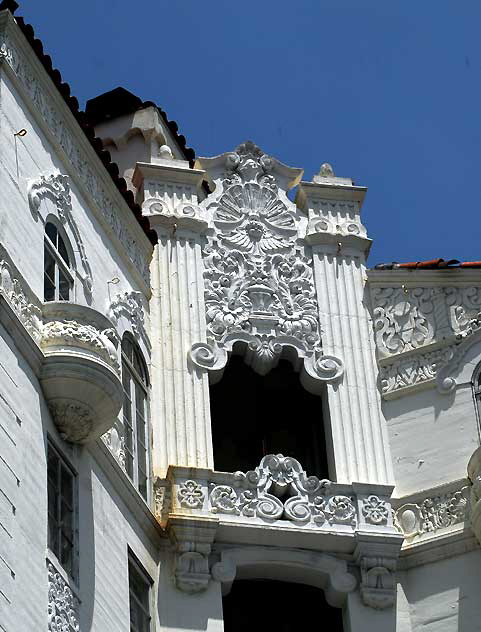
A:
(444, 595)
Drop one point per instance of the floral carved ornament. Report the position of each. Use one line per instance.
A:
(258, 282)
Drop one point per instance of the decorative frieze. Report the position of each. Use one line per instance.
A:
(55, 121)
(414, 370)
(259, 494)
(63, 605)
(419, 333)
(433, 513)
(70, 333)
(21, 299)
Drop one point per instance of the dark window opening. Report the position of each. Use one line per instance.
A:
(139, 597)
(305, 608)
(135, 384)
(254, 415)
(61, 485)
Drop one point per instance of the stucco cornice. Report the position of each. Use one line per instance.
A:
(81, 161)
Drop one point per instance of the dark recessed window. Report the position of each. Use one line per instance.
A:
(61, 484)
(135, 415)
(254, 415)
(57, 276)
(139, 597)
(293, 607)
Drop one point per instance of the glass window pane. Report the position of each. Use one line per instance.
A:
(64, 287)
(48, 289)
(139, 590)
(51, 231)
(62, 249)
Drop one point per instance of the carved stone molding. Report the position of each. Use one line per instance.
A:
(265, 562)
(114, 439)
(192, 539)
(22, 300)
(422, 333)
(413, 371)
(63, 605)
(56, 187)
(191, 495)
(55, 121)
(259, 288)
(432, 513)
(70, 333)
(378, 582)
(130, 306)
(259, 493)
(74, 420)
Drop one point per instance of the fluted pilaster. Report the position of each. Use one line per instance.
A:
(180, 398)
(339, 246)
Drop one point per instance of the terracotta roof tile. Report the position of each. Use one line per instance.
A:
(431, 264)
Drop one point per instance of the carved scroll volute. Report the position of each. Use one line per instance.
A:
(258, 281)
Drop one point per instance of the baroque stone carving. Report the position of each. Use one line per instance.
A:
(115, 441)
(413, 370)
(259, 287)
(403, 319)
(191, 495)
(74, 421)
(375, 510)
(57, 188)
(70, 332)
(21, 300)
(280, 489)
(63, 605)
(129, 305)
(433, 513)
(378, 581)
(192, 568)
(59, 128)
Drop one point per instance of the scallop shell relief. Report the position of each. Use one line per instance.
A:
(257, 279)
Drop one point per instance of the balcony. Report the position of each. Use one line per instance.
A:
(287, 518)
(80, 371)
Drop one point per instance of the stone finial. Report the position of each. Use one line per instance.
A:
(326, 170)
(165, 152)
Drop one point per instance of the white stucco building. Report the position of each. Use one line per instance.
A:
(213, 415)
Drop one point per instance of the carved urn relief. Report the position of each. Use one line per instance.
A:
(80, 374)
(258, 278)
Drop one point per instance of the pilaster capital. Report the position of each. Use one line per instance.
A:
(332, 205)
(170, 193)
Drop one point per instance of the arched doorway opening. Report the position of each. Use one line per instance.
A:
(254, 415)
(260, 605)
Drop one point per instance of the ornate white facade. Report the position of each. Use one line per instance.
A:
(123, 383)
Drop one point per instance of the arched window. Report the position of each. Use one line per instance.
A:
(57, 274)
(135, 414)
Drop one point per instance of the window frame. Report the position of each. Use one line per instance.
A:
(137, 382)
(60, 265)
(141, 575)
(63, 464)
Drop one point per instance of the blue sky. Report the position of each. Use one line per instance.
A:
(388, 92)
